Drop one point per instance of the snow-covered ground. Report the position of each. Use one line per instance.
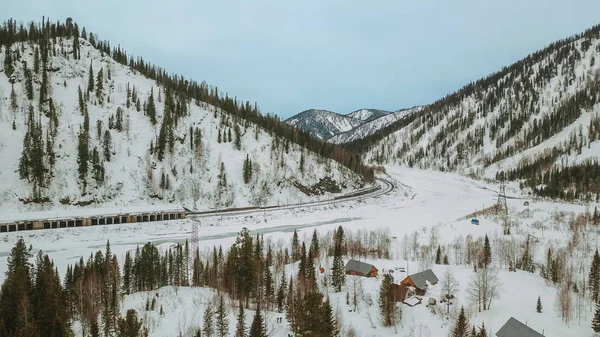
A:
(427, 204)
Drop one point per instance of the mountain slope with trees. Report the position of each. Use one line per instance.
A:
(82, 123)
(535, 121)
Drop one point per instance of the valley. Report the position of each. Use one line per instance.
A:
(427, 209)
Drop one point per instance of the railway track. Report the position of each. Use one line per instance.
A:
(383, 187)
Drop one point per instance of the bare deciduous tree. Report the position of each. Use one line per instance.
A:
(449, 287)
(484, 286)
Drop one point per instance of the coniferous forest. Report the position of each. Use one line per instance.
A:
(178, 91)
(504, 114)
(37, 301)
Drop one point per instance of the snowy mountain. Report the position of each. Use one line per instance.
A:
(323, 124)
(372, 125)
(142, 142)
(367, 115)
(536, 121)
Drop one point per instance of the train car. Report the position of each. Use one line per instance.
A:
(89, 217)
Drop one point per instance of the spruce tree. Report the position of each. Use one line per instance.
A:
(13, 99)
(100, 85)
(28, 81)
(281, 292)
(438, 256)
(240, 329)
(207, 326)
(387, 303)
(596, 319)
(338, 274)
(482, 331)
(130, 326)
(487, 252)
(295, 247)
(538, 306)
(594, 277)
(222, 320)
(127, 273)
(106, 145)
(258, 329)
(9, 67)
(247, 170)
(461, 326)
(91, 78)
(314, 245)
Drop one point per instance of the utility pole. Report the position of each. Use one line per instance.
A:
(502, 198)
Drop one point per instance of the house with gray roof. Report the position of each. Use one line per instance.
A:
(514, 328)
(420, 280)
(354, 267)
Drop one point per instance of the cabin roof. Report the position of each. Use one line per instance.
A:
(361, 267)
(420, 279)
(514, 328)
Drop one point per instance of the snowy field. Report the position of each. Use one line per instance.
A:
(426, 204)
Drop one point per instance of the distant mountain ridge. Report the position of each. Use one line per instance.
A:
(324, 124)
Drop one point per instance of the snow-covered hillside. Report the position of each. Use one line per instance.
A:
(372, 126)
(206, 164)
(538, 114)
(323, 124)
(367, 115)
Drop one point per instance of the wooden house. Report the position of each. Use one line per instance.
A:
(358, 268)
(401, 292)
(419, 281)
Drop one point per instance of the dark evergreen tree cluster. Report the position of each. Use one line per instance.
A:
(33, 162)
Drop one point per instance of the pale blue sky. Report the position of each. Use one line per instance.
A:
(337, 55)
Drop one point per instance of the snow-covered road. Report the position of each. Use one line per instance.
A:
(408, 199)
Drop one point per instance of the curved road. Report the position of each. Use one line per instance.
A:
(384, 186)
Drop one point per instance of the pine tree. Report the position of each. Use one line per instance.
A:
(207, 326)
(16, 289)
(314, 245)
(538, 306)
(237, 144)
(229, 139)
(387, 303)
(28, 81)
(487, 252)
(240, 330)
(222, 320)
(247, 170)
(295, 247)
(13, 99)
(596, 319)
(258, 329)
(9, 67)
(107, 141)
(281, 292)
(127, 273)
(91, 78)
(594, 277)
(219, 136)
(446, 260)
(461, 327)
(100, 85)
(130, 326)
(329, 324)
(438, 256)
(338, 275)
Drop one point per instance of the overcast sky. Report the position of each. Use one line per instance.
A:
(294, 55)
